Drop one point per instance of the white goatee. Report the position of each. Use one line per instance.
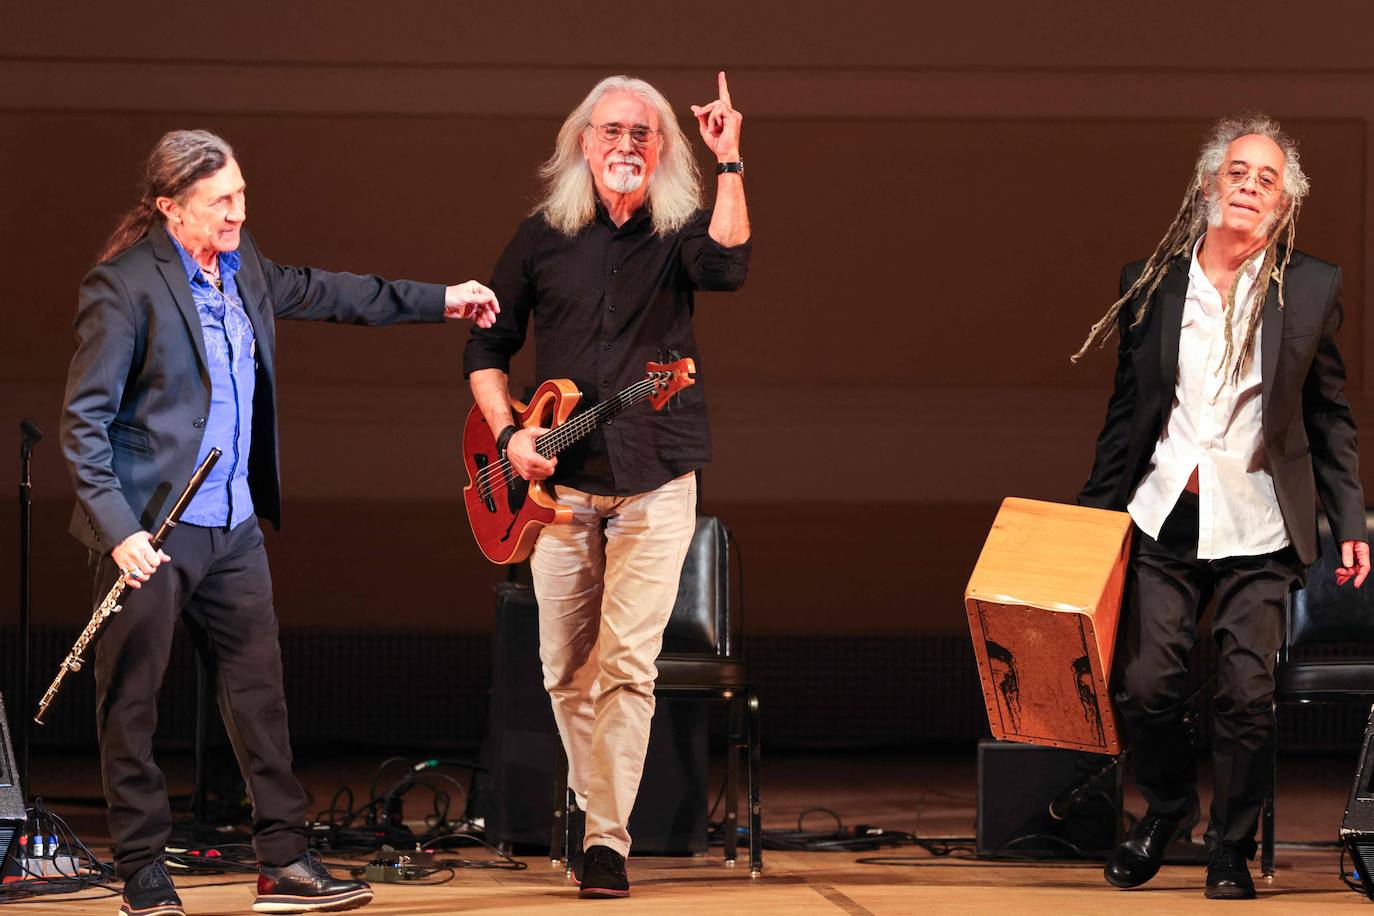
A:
(623, 181)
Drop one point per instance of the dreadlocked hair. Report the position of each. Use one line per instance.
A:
(1201, 209)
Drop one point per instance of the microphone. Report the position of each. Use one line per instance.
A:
(1068, 799)
(32, 434)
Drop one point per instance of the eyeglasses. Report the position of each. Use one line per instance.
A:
(1266, 182)
(611, 133)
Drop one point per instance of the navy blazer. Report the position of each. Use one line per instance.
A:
(138, 389)
(1309, 434)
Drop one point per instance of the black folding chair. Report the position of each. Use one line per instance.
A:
(1327, 655)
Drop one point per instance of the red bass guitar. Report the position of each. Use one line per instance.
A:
(506, 511)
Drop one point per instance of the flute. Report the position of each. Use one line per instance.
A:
(111, 605)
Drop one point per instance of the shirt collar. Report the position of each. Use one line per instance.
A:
(1251, 267)
(228, 263)
(637, 219)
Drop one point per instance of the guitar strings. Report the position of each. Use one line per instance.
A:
(569, 432)
(572, 430)
(575, 428)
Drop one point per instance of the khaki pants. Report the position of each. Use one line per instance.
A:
(605, 596)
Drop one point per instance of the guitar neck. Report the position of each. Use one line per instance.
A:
(579, 426)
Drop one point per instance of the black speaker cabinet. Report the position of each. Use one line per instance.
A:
(1045, 802)
(11, 796)
(1357, 829)
(517, 798)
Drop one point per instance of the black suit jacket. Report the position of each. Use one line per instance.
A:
(138, 390)
(1309, 435)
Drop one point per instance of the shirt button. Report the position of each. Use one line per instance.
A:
(615, 270)
(611, 307)
(605, 384)
(608, 346)
(198, 422)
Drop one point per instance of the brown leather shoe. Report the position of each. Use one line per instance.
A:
(306, 886)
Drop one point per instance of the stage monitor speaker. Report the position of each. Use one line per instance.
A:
(12, 817)
(517, 796)
(1043, 802)
(1357, 829)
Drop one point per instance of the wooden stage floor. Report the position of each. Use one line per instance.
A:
(890, 790)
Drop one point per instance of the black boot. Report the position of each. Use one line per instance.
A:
(1228, 877)
(603, 875)
(149, 892)
(1137, 860)
(306, 886)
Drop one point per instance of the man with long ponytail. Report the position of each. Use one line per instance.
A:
(175, 355)
(1228, 419)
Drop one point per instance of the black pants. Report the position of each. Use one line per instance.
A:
(1170, 588)
(219, 584)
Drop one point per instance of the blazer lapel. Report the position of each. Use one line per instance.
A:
(1172, 292)
(174, 274)
(251, 285)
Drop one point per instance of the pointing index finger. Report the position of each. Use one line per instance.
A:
(724, 89)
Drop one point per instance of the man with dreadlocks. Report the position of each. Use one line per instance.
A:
(1227, 420)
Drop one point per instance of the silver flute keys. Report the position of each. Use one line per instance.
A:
(76, 657)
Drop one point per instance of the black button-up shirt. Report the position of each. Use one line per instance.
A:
(605, 302)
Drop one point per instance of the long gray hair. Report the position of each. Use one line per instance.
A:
(674, 191)
(1198, 210)
(177, 162)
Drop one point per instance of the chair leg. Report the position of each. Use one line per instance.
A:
(558, 833)
(1267, 809)
(569, 853)
(734, 743)
(755, 808)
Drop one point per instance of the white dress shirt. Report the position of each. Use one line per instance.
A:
(1216, 427)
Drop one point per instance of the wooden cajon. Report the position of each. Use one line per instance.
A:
(1042, 605)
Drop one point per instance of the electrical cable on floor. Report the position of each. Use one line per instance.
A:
(66, 851)
(345, 829)
(508, 862)
(1350, 879)
(373, 827)
(965, 848)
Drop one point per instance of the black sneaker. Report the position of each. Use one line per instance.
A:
(306, 886)
(603, 874)
(149, 892)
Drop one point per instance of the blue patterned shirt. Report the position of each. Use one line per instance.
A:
(231, 351)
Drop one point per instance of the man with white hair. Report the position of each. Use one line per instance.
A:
(608, 264)
(1228, 419)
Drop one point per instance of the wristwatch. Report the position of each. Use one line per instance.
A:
(736, 166)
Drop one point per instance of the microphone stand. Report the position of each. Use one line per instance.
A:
(30, 434)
